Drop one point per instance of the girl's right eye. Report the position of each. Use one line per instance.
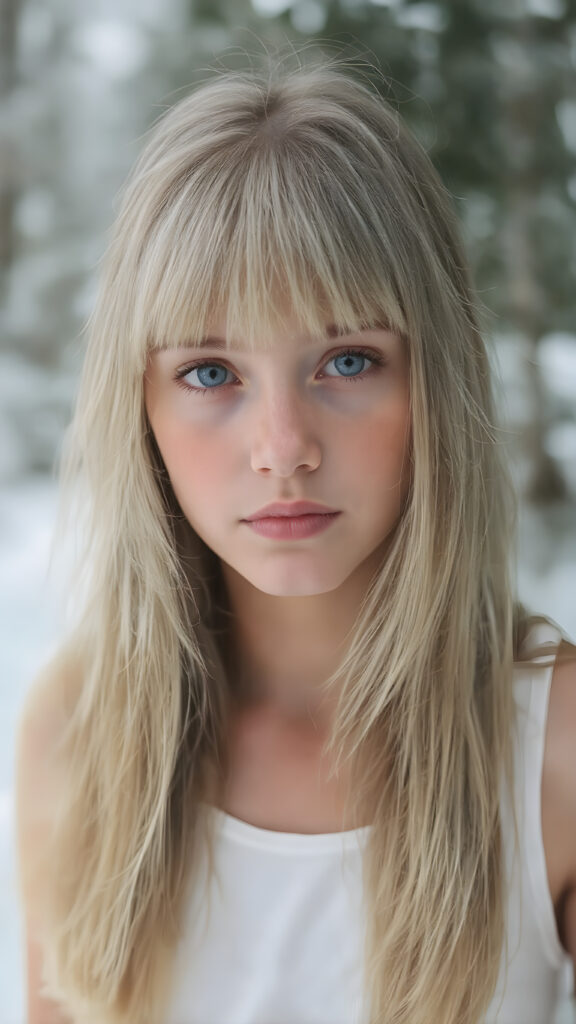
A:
(210, 376)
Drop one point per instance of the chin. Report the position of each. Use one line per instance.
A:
(294, 591)
(294, 585)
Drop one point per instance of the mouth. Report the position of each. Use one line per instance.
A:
(291, 510)
(296, 527)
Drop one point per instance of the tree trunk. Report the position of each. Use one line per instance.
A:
(9, 13)
(526, 307)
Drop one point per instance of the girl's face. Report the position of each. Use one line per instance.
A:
(300, 420)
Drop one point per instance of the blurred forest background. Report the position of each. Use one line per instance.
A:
(489, 88)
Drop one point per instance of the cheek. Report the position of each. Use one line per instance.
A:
(382, 447)
(196, 464)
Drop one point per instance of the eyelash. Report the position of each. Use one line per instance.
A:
(373, 357)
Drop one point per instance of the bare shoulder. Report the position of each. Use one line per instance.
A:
(45, 713)
(39, 779)
(562, 713)
(44, 710)
(41, 726)
(559, 794)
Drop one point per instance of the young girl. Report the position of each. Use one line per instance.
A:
(302, 759)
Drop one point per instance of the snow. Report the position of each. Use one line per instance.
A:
(26, 613)
(308, 16)
(552, 9)
(566, 115)
(424, 16)
(557, 357)
(271, 8)
(116, 48)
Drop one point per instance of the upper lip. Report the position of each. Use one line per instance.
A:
(294, 508)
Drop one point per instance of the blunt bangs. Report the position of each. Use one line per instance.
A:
(262, 226)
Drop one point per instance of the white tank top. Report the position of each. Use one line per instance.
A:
(277, 936)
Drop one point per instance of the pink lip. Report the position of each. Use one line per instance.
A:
(292, 527)
(290, 510)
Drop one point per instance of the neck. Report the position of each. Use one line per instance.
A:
(281, 650)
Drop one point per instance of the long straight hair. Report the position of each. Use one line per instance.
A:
(258, 186)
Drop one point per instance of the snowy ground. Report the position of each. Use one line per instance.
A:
(28, 628)
(26, 516)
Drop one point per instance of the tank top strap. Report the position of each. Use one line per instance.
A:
(532, 693)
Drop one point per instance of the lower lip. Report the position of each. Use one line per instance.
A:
(291, 527)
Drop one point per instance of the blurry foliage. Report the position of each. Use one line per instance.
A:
(488, 88)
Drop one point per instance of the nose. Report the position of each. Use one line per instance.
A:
(284, 440)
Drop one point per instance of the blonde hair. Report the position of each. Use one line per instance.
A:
(302, 183)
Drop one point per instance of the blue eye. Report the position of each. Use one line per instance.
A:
(349, 363)
(212, 376)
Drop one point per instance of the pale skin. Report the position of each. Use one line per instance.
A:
(287, 425)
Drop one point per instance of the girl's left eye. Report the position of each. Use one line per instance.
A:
(211, 376)
(348, 363)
